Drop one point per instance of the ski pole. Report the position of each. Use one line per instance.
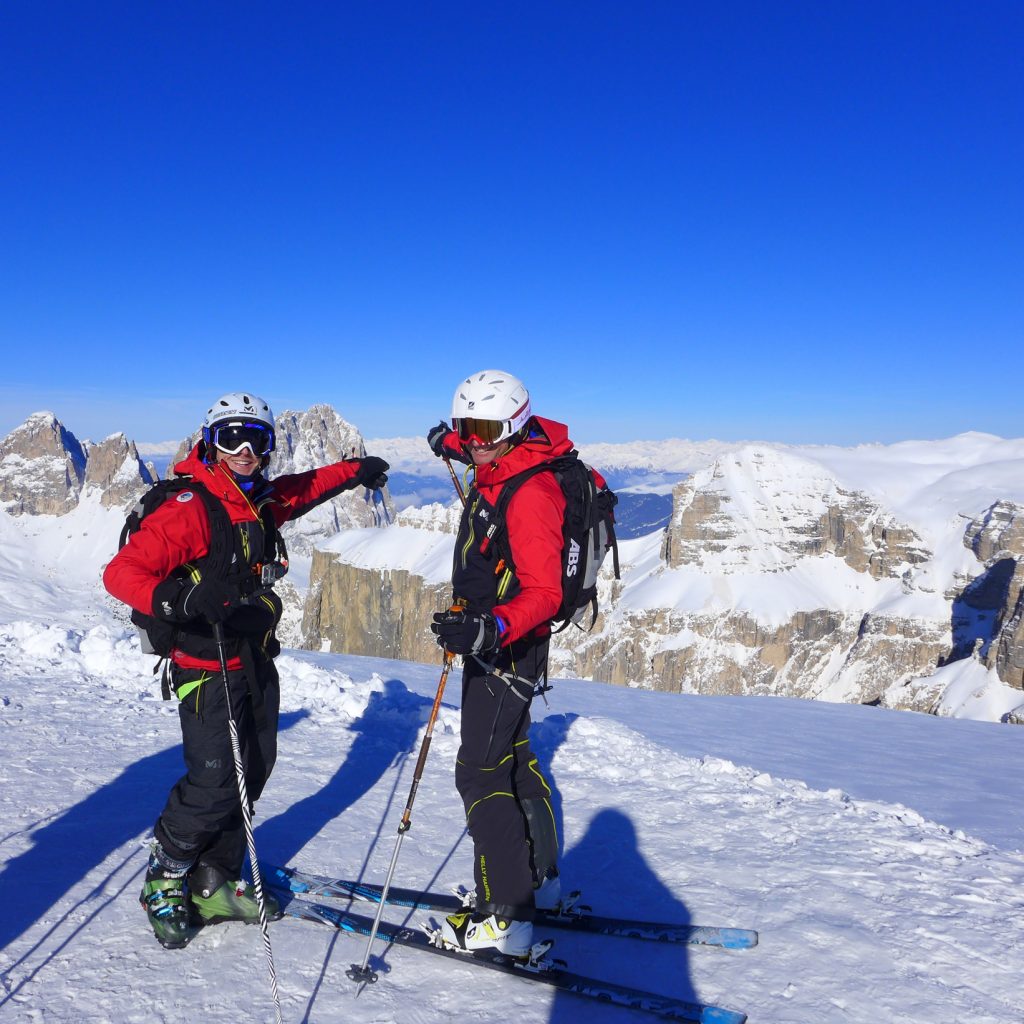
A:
(378, 499)
(361, 972)
(455, 480)
(243, 795)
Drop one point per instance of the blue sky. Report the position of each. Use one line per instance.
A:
(799, 222)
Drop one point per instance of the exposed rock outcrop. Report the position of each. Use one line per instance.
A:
(114, 467)
(381, 613)
(42, 467)
(755, 509)
(997, 538)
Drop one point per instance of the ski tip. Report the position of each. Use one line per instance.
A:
(738, 938)
(720, 1015)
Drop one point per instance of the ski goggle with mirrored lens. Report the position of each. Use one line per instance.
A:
(231, 438)
(483, 432)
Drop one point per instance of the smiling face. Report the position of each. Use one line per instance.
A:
(482, 454)
(242, 463)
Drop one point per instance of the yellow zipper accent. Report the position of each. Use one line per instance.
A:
(503, 585)
(472, 532)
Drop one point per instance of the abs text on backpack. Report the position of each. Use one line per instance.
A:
(588, 533)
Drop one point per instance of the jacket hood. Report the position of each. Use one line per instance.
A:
(546, 440)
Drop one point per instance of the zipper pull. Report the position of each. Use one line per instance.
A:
(486, 542)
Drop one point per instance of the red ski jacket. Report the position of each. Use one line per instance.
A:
(533, 528)
(178, 531)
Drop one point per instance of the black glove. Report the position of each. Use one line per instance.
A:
(436, 436)
(463, 632)
(372, 472)
(210, 599)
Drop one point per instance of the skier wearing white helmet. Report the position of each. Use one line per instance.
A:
(502, 631)
(208, 556)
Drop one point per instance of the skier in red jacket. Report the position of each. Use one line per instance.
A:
(503, 632)
(196, 860)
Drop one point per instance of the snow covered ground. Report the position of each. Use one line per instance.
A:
(880, 854)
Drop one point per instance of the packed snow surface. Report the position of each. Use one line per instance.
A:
(879, 854)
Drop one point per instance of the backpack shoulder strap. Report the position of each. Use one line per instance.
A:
(496, 531)
(222, 534)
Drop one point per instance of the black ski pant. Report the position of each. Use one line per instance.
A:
(496, 773)
(202, 819)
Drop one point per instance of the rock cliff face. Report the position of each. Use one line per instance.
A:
(42, 467)
(754, 509)
(772, 578)
(114, 467)
(997, 538)
(317, 437)
(382, 612)
(370, 612)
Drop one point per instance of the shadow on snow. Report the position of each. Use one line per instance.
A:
(607, 865)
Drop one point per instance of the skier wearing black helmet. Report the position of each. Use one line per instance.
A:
(178, 572)
(503, 632)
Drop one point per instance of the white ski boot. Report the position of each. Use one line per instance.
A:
(470, 932)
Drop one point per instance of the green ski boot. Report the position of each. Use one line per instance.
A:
(216, 898)
(166, 904)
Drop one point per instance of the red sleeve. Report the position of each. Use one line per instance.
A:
(453, 448)
(534, 517)
(171, 535)
(300, 492)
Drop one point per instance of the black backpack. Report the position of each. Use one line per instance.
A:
(588, 533)
(157, 636)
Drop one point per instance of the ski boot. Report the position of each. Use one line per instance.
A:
(547, 894)
(471, 932)
(165, 901)
(215, 898)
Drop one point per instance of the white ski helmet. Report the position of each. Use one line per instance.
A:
(241, 407)
(237, 420)
(492, 405)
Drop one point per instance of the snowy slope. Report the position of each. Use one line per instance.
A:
(880, 854)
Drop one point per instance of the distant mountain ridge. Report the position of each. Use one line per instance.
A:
(877, 574)
(840, 574)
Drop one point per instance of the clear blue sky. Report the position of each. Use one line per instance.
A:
(792, 221)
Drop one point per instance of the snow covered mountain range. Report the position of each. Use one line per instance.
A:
(880, 574)
(879, 854)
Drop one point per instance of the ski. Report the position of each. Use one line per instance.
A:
(575, 918)
(538, 968)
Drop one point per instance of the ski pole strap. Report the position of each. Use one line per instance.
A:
(510, 679)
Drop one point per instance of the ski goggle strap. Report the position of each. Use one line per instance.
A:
(231, 438)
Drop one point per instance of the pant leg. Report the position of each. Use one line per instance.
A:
(494, 771)
(202, 816)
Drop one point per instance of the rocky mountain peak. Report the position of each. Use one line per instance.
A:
(314, 438)
(115, 468)
(763, 509)
(42, 467)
